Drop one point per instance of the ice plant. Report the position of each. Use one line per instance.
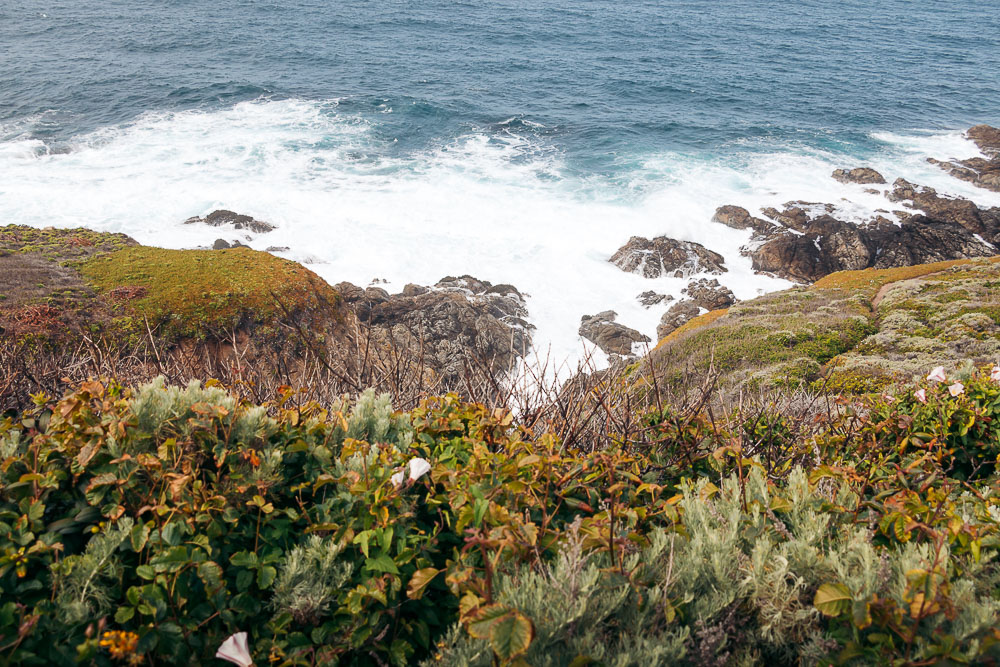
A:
(236, 650)
(937, 375)
(920, 395)
(956, 389)
(418, 468)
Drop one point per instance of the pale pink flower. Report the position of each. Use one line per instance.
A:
(920, 395)
(995, 374)
(888, 399)
(937, 375)
(956, 389)
(398, 478)
(236, 650)
(418, 468)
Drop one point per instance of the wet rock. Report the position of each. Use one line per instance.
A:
(238, 221)
(863, 175)
(676, 316)
(709, 294)
(649, 298)
(223, 244)
(612, 337)
(663, 256)
(947, 209)
(983, 172)
(738, 217)
(277, 248)
(458, 321)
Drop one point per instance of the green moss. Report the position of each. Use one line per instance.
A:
(199, 293)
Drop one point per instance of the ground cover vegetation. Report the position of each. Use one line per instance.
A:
(147, 525)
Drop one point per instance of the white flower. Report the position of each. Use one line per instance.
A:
(956, 389)
(937, 375)
(418, 468)
(920, 395)
(397, 479)
(236, 650)
(995, 374)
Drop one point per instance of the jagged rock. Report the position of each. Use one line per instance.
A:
(949, 209)
(738, 217)
(277, 248)
(649, 298)
(661, 256)
(709, 294)
(984, 173)
(677, 315)
(613, 338)
(446, 325)
(238, 221)
(223, 244)
(863, 175)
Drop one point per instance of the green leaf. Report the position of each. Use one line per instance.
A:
(124, 614)
(419, 581)
(511, 635)
(139, 536)
(832, 599)
(265, 576)
(145, 571)
(382, 563)
(171, 533)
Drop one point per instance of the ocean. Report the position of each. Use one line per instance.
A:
(520, 142)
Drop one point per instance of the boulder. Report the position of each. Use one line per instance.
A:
(983, 172)
(238, 221)
(677, 315)
(663, 256)
(862, 175)
(986, 138)
(738, 217)
(709, 294)
(946, 209)
(610, 336)
(649, 298)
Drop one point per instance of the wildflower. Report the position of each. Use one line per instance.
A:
(252, 457)
(920, 395)
(397, 479)
(956, 389)
(995, 374)
(121, 645)
(937, 375)
(236, 650)
(418, 468)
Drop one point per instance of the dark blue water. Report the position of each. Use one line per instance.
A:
(603, 77)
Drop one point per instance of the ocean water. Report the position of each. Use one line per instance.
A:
(520, 142)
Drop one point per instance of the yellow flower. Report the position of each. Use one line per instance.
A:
(121, 645)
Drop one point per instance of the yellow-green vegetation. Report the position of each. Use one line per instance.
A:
(854, 331)
(196, 293)
(147, 525)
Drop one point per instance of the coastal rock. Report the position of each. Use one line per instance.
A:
(947, 209)
(612, 337)
(662, 256)
(738, 217)
(649, 298)
(984, 173)
(862, 175)
(458, 321)
(709, 294)
(223, 244)
(238, 221)
(677, 315)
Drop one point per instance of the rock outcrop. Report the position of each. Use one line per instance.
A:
(663, 256)
(862, 175)
(677, 315)
(983, 172)
(649, 298)
(709, 294)
(457, 321)
(612, 337)
(947, 209)
(238, 221)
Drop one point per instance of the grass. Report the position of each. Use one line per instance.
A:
(195, 292)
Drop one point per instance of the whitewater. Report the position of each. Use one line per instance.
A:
(499, 202)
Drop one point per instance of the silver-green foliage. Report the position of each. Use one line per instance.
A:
(309, 579)
(81, 580)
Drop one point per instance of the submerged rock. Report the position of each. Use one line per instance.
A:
(612, 337)
(663, 256)
(238, 221)
(649, 298)
(863, 175)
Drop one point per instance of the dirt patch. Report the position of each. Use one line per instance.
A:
(30, 277)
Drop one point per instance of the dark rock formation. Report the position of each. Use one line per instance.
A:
(650, 298)
(709, 294)
(613, 338)
(457, 321)
(677, 315)
(238, 221)
(863, 175)
(979, 171)
(661, 256)
(223, 244)
(738, 217)
(947, 209)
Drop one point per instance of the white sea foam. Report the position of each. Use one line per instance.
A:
(490, 205)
